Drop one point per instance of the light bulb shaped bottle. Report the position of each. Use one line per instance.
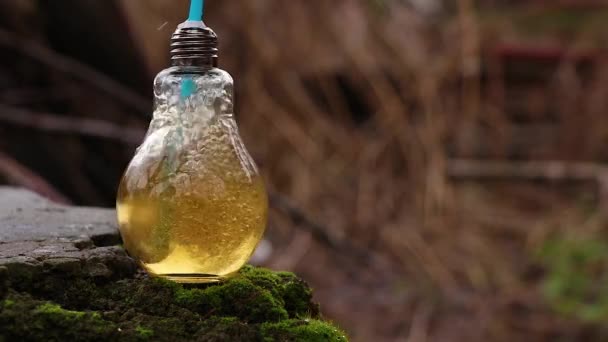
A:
(192, 206)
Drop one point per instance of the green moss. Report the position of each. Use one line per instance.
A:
(24, 275)
(228, 329)
(8, 303)
(297, 296)
(256, 305)
(292, 291)
(144, 333)
(3, 281)
(54, 309)
(236, 298)
(30, 319)
(576, 271)
(302, 330)
(263, 278)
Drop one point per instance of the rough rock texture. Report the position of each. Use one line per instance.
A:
(63, 277)
(25, 216)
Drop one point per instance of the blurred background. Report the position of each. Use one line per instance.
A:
(436, 167)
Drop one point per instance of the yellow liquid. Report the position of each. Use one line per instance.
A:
(200, 231)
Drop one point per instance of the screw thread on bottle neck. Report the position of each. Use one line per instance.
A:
(194, 44)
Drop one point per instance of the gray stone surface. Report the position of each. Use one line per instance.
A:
(25, 216)
(37, 235)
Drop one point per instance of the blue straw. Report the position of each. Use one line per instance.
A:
(188, 88)
(196, 10)
(196, 14)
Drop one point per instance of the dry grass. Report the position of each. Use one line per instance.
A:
(455, 261)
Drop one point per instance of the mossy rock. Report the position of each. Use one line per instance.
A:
(63, 277)
(256, 305)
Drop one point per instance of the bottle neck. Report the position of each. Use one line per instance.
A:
(194, 44)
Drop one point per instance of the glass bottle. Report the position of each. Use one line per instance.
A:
(192, 206)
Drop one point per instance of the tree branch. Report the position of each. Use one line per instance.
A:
(343, 247)
(545, 171)
(70, 125)
(17, 174)
(554, 171)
